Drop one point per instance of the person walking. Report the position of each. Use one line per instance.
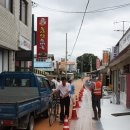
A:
(72, 90)
(64, 89)
(58, 96)
(96, 91)
(54, 81)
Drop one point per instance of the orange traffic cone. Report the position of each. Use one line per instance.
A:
(80, 97)
(77, 103)
(74, 114)
(66, 124)
(82, 89)
(81, 93)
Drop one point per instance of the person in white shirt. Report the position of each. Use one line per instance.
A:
(54, 81)
(64, 89)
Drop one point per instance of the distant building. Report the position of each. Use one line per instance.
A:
(15, 31)
(45, 64)
(71, 66)
(120, 69)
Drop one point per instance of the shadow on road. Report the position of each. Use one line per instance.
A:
(98, 125)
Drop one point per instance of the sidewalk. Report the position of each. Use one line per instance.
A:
(107, 121)
(110, 122)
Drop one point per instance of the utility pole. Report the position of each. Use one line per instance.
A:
(33, 42)
(123, 26)
(82, 63)
(91, 64)
(33, 34)
(66, 58)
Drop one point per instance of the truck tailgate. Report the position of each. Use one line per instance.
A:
(7, 111)
(16, 101)
(17, 94)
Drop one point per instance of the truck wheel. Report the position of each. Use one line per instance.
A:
(31, 123)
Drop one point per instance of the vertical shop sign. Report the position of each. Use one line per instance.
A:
(42, 37)
(97, 63)
(105, 58)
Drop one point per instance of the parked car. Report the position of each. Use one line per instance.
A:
(23, 97)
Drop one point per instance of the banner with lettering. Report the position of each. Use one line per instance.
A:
(42, 37)
(97, 63)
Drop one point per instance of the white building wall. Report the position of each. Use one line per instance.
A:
(10, 30)
(22, 29)
(8, 37)
(11, 60)
(5, 60)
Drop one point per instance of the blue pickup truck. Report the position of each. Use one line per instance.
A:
(23, 97)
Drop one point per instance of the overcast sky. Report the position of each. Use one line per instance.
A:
(97, 33)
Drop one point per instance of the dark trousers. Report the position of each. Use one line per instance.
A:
(64, 104)
(96, 106)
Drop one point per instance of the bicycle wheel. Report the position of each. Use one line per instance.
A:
(52, 115)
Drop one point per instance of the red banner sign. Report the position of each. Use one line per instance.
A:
(97, 63)
(42, 37)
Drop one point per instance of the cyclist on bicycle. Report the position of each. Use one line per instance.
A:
(64, 89)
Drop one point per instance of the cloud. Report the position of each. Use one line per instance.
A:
(97, 32)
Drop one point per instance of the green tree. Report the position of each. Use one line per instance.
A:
(85, 61)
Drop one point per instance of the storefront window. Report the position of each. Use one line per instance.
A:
(7, 4)
(23, 11)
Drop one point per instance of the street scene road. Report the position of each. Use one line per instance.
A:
(64, 65)
(85, 115)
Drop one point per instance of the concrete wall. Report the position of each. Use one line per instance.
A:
(10, 30)
(121, 64)
(8, 37)
(5, 60)
(11, 27)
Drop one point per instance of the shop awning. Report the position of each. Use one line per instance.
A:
(121, 56)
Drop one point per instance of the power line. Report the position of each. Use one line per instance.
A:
(80, 28)
(110, 8)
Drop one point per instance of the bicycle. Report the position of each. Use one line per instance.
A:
(52, 110)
